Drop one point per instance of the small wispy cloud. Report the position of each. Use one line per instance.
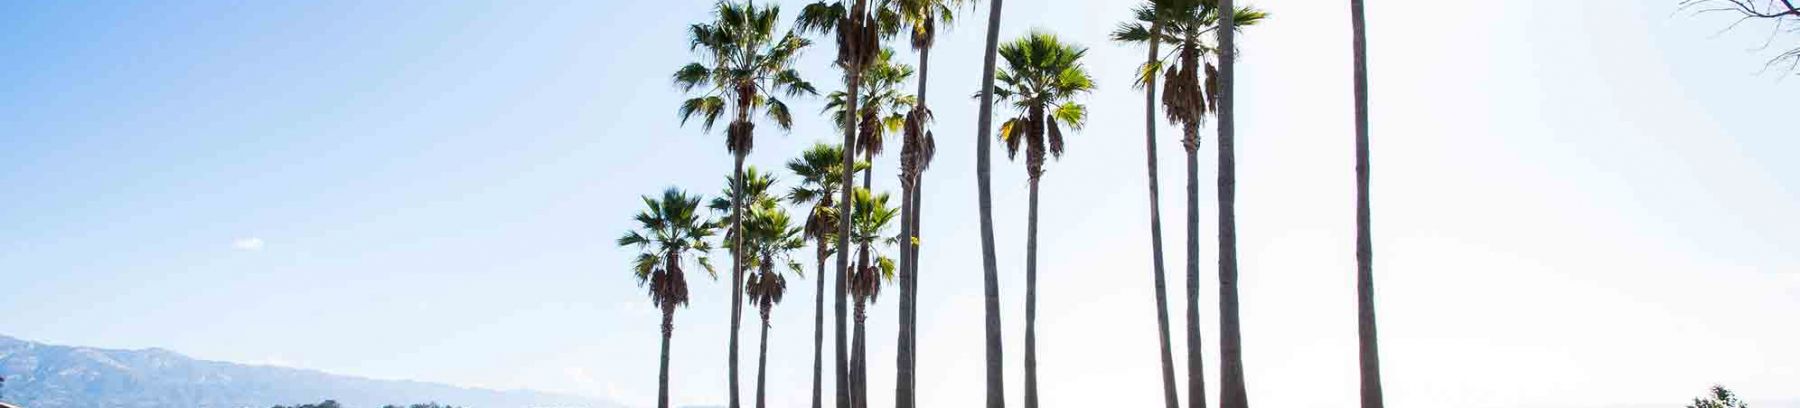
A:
(247, 244)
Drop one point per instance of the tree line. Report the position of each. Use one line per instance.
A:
(745, 71)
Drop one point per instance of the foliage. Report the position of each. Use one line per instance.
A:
(743, 67)
(1184, 25)
(671, 230)
(1041, 77)
(881, 100)
(870, 217)
(334, 404)
(1720, 398)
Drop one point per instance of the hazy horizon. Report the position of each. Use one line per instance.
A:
(1576, 204)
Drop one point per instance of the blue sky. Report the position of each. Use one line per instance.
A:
(1577, 204)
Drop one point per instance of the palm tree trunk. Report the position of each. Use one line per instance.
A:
(737, 274)
(860, 362)
(1170, 399)
(996, 386)
(843, 245)
(1367, 354)
(1231, 348)
(912, 310)
(662, 374)
(1190, 142)
(762, 361)
(1196, 364)
(903, 354)
(818, 391)
(1031, 219)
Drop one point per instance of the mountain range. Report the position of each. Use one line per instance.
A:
(52, 376)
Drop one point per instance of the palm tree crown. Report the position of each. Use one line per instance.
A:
(1185, 24)
(744, 66)
(870, 218)
(1041, 79)
(882, 101)
(769, 241)
(671, 233)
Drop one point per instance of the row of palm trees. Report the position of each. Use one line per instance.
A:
(746, 67)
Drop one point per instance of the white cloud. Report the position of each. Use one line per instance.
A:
(247, 244)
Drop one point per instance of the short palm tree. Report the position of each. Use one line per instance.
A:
(818, 169)
(745, 67)
(990, 276)
(859, 33)
(671, 233)
(769, 240)
(871, 215)
(916, 150)
(1042, 78)
(1187, 101)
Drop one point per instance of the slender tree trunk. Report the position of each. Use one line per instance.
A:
(912, 314)
(1170, 399)
(1231, 348)
(1031, 219)
(1367, 355)
(1196, 364)
(996, 386)
(903, 354)
(737, 274)
(860, 362)
(912, 362)
(762, 361)
(818, 391)
(662, 374)
(843, 245)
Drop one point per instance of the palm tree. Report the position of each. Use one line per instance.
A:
(818, 169)
(1133, 32)
(1231, 347)
(756, 191)
(882, 107)
(858, 39)
(917, 148)
(1184, 23)
(671, 232)
(871, 216)
(1368, 357)
(1042, 77)
(990, 277)
(743, 66)
(770, 239)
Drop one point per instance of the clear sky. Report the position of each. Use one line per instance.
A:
(1577, 204)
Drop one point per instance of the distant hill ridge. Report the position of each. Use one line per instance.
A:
(51, 376)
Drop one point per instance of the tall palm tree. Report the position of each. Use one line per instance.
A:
(917, 148)
(871, 216)
(770, 239)
(818, 169)
(1042, 78)
(859, 40)
(671, 232)
(1133, 32)
(1185, 24)
(990, 277)
(1231, 346)
(1368, 356)
(744, 65)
